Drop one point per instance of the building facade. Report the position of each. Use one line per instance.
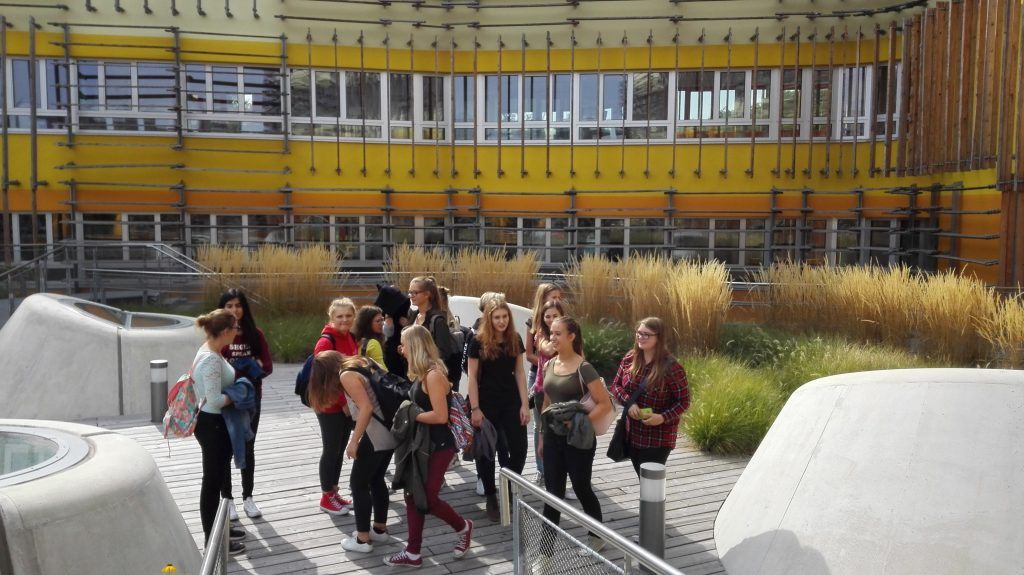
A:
(750, 132)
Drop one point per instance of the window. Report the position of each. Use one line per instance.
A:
(433, 231)
(51, 95)
(559, 239)
(233, 100)
(613, 238)
(312, 229)
(362, 95)
(266, 229)
(821, 102)
(373, 238)
(346, 229)
(691, 239)
(720, 104)
(337, 105)
(433, 108)
(103, 228)
(501, 104)
(403, 230)
(328, 94)
(622, 105)
(464, 106)
(853, 109)
(171, 231)
(200, 229)
(791, 101)
(229, 230)
(646, 235)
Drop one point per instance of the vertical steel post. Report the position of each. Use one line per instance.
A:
(622, 135)
(476, 119)
(574, 119)
(810, 134)
(387, 119)
(69, 129)
(501, 101)
(781, 39)
(284, 83)
(157, 390)
(756, 39)
(337, 117)
(647, 132)
(362, 94)
(844, 100)
(312, 112)
(522, 117)
(451, 117)
(652, 508)
(600, 107)
(438, 114)
(826, 170)
(874, 98)
(179, 99)
(700, 105)
(33, 99)
(859, 73)
(550, 108)
(728, 112)
(674, 113)
(412, 112)
(797, 104)
(5, 161)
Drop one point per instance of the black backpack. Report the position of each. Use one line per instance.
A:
(302, 378)
(390, 390)
(468, 335)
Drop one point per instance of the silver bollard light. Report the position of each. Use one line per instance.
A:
(157, 390)
(652, 508)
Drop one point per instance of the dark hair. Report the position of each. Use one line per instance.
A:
(324, 380)
(250, 335)
(215, 322)
(661, 354)
(542, 327)
(364, 323)
(572, 327)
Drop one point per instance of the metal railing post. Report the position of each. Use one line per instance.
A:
(652, 508)
(157, 389)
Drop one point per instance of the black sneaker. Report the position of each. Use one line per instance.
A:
(236, 534)
(236, 547)
(493, 509)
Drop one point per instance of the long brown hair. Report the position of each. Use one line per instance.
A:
(539, 299)
(660, 362)
(429, 285)
(491, 346)
(324, 380)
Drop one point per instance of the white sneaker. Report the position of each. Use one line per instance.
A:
(251, 509)
(570, 495)
(374, 536)
(539, 480)
(480, 487)
(353, 544)
(594, 545)
(232, 512)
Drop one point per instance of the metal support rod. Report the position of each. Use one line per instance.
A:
(827, 168)
(756, 39)
(337, 117)
(5, 160)
(808, 169)
(33, 102)
(476, 116)
(387, 119)
(284, 83)
(572, 88)
(227, 9)
(438, 114)
(551, 107)
(796, 107)
(647, 132)
(700, 105)
(600, 106)
(522, 117)
(845, 96)
(179, 107)
(362, 95)
(501, 101)
(68, 118)
(412, 112)
(781, 39)
(872, 169)
(674, 112)
(312, 84)
(859, 99)
(622, 135)
(451, 96)
(728, 110)
(890, 97)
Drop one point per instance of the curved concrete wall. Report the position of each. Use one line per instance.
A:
(903, 471)
(111, 513)
(57, 361)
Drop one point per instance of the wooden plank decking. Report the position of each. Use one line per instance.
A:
(294, 536)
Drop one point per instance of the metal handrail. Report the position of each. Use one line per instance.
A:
(215, 554)
(32, 262)
(511, 481)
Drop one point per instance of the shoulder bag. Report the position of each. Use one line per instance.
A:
(589, 404)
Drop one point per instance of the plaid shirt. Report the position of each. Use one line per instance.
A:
(670, 400)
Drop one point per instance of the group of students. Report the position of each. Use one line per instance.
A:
(412, 337)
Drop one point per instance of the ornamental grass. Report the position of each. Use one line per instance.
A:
(479, 270)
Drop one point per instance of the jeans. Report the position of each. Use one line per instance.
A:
(215, 444)
(250, 462)
(512, 444)
(335, 429)
(366, 482)
(648, 455)
(437, 507)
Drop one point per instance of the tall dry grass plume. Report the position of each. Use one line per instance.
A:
(951, 310)
(1004, 333)
(405, 262)
(479, 271)
(700, 297)
(593, 285)
(280, 279)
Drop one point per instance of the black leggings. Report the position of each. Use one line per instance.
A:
(250, 461)
(335, 429)
(366, 481)
(512, 444)
(648, 455)
(212, 435)
(563, 461)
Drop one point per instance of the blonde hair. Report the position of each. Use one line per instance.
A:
(489, 296)
(490, 346)
(215, 322)
(340, 303)
(421, 352)
(539, 299)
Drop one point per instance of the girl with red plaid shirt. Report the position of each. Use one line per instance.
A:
(654, 419)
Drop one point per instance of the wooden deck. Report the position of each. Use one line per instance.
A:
(294, 536)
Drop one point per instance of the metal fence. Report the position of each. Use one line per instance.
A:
(215, 555)
(542, 548)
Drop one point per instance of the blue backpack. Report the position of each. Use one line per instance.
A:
(302, 379)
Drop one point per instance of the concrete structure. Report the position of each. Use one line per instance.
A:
(70, 359)
(108, 512)
(899, 471)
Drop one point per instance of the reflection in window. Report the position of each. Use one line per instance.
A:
(195, 87)
(588, 97)
(691, 239)
(156, 87)
(229, 230)
(465, 98)
(650, 96)
(373, 238)
(201, 231)
(57, 87)
(346, 229)
(20, 77)
(171, 231)
(362, 95)
(267, 229)
(694, 99)
(403, 230)
(613, 237)
(614, 102)
(225, 89)
(400, 98)
(561, 98)
(88, 86)
(118, 83)
(328, 97)
(535, 98)
(433, 231)
(509, 95)
(311, 229)
(300, 93)
(433, 98)
(731, 95)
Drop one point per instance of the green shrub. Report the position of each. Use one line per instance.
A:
(732, 406)
(604, 345)
(292, 337)
(756, 346)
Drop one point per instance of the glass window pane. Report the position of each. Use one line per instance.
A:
(790, 94)
(694, 98)
(225, 89)
(261, 91)
(614, 103)
(509, 96)
(195, 87)
(821, 105)
(535, 98)
(403, 230)
(500, 231)
(561, 98)
(300, 93)
(328, 99)
(99, 227)
(267, 229)
(88, 86)
(433, 230)
(170, 228)
(612, 237)
(19, 73)
(433, 98)
(141, 227)
(56, 85)
(650, 96)
(400, 99)
(229, 229)
(362, 95)
(465, 99)
(346, 230)
(118, 82)
(588, 97)
(761, 91)
(200, 228)
(373, 233)
(156, 87)
(311, 229)
(731, 95)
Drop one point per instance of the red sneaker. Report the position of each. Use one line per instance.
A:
(464, 538)
(403, 559)
(329, 504)
(341, 501)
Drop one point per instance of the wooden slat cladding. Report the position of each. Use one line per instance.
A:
(960, 106)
